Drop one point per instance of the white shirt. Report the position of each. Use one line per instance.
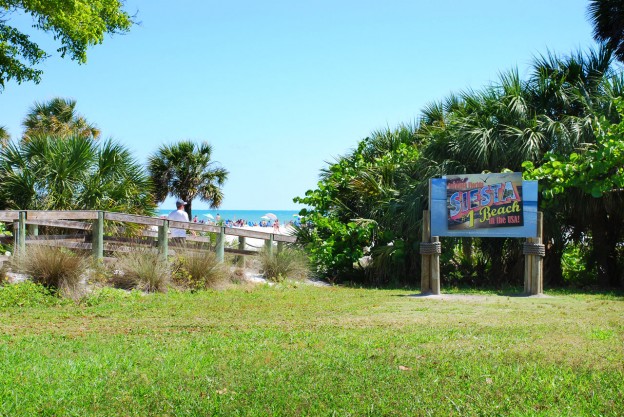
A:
(178, 216)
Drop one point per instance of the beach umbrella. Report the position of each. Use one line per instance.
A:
(265, 218)
(271, 216)
(210, 216)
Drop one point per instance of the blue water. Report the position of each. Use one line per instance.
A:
(284, 216)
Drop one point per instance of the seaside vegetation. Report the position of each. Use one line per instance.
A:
(565, 117)
(185, 170)
(72, 172)
(58, 118)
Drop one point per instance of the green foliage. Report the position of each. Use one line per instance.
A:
(4, 135)
(76, 25)
(144, 270)
(57, 117)
(382, 186)
(73, 173)
(289, 263)
(107, 295)
(334, 246)
(185, 171)
(587, 187)
(607, 17)
(367, 198)
(595, 169)
(5, 247)
(574, 265)
(26, 294)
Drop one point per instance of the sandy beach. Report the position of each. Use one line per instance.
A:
(254, 244)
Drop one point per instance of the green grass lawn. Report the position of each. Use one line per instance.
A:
(301, 350)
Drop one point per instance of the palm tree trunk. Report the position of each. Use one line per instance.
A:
(188, 210)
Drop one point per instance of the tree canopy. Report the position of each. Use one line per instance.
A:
(75, 173)
(607, 16)
(76, 24)
(57, 117)
(370, 202)
(185, 170)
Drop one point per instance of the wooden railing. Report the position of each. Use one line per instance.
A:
(153, 230)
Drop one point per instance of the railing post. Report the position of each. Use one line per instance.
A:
(425, 259)
(163, 239)
(280, 246)
(241, 246)
(533, 261)
(19, 228)
(97, 241)
(33, 229)
(435, 269)
(220, 249)
(268, 245)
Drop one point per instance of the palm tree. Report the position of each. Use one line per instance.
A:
(75, 173)
(607, 16)
(185, 170)
(4, 135)
(57, 118)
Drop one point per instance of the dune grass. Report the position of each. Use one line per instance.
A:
(293, 350)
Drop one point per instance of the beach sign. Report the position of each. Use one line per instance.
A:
(478, 201)
(483, 205)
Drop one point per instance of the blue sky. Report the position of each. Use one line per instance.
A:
(279, 88)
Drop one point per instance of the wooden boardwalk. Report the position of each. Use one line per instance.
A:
(103, 231)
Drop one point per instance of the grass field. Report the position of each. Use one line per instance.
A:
(301, 350)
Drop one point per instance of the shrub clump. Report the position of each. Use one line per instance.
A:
(144, 270)
(289, 263)
(198, 271)
(55, 268)
(26, 294)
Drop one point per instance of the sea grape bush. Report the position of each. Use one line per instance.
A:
(362, 207)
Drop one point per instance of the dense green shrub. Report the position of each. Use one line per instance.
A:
(26, 294)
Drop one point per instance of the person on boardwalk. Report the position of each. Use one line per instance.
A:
(276, 226)
(178, 236)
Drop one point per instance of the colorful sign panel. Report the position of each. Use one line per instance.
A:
(481, 201)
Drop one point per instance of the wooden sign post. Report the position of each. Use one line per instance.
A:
(482, 205)
(534, 252)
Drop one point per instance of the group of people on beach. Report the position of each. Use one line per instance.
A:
(180, 215)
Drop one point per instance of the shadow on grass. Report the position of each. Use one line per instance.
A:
(513, 291)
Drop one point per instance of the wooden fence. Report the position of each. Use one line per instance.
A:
(136, 230)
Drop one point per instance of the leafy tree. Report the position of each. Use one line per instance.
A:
(594, 175)
(383, 183)
(76, 24)
(185, 171)
(607, 16)
(57, 118)
(76, 173)
(364, 206)
(555, 110)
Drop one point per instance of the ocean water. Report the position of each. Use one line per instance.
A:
(284, 216)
